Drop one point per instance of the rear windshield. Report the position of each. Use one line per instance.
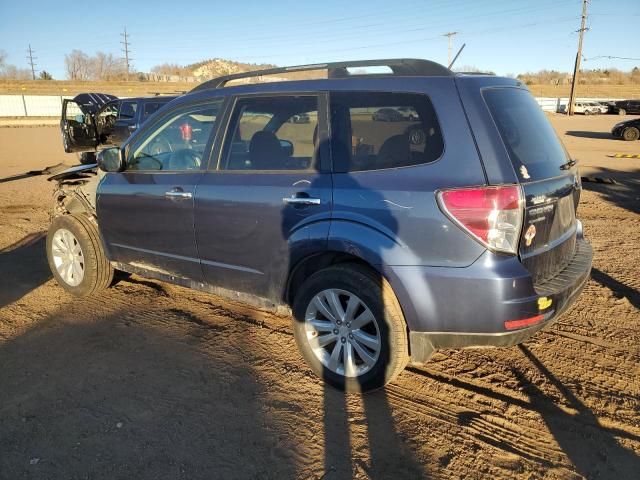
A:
(534, 148)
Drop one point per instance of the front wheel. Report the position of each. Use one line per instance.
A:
(630, 134)
(76, 257)
(350, 329)
(622, 111)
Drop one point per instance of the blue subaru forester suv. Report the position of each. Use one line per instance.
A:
(394, 213)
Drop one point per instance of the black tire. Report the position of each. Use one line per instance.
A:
(87, 158)
(587, 112)
(376, 293)
(622, 111)
(97, 272)
(630, 134)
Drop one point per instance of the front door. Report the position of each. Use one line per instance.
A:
(146, 212)
(267, 202)
(77, 128)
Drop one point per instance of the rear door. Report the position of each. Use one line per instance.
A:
(548, 177)
(268, 201)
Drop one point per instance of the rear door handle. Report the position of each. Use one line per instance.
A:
(177, 194)
(301, 201)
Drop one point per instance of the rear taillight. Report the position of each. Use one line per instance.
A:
(492, 215)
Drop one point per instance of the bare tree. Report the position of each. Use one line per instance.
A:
(78, 65)
(104, 66)
(11, 72)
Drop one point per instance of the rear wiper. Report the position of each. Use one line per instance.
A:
(568, 165)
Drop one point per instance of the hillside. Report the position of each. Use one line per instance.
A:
(217, 67)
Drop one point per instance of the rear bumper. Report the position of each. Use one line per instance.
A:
(493, 303)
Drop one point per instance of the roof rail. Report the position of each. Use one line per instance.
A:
(404, 67)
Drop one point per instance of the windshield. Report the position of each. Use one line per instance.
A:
(534, 148)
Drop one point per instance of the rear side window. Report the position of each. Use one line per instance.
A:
(127, 110)
(151, 108)
(377, 130)
(273, 134)
(533, 146)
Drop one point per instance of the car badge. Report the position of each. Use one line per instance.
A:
(544, 302)
(524, 172)
(529, 234)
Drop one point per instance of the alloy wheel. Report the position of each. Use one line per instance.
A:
(68, 257)
(342, 332)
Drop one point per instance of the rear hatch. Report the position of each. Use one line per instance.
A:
(548, 178)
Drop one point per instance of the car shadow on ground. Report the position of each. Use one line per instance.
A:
(589, 134)
(126, 399)
(618, 288)
(624, 193)
(593, 450)
(24, 267)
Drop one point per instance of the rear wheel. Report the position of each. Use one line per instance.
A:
(76, 256)
(630, 134)
(350, 329)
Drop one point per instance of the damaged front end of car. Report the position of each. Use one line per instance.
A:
(75, 191)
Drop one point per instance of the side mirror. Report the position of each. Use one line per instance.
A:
(110, 160)
(287, 146)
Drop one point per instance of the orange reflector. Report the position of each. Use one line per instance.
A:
(525, 322)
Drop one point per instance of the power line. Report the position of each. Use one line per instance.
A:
(611, 57)
(31, 58)
(125, 49)
(576, 68)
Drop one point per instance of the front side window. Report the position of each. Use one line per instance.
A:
(273, 133)
(128, 110)
(177, 142)
(377, 130)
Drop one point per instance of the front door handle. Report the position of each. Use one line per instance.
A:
(177, 194)
(301, 201)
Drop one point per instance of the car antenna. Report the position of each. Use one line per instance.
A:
(457, 55)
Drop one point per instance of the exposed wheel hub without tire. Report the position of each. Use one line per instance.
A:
(342, 332)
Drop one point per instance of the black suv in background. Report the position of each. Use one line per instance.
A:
(93, 119)
(627, 107)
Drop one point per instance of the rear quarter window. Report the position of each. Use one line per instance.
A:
(379, 130)
(531, 142)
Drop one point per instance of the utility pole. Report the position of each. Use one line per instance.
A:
(450, 35)
(125, 49)
(31, 58)
(576, 68)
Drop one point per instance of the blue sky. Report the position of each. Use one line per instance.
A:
(506, 36)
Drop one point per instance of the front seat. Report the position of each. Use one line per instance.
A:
(265, 151)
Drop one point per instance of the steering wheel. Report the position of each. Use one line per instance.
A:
(160, 145)
(185, 159)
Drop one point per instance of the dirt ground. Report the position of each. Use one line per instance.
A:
(152, 381)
